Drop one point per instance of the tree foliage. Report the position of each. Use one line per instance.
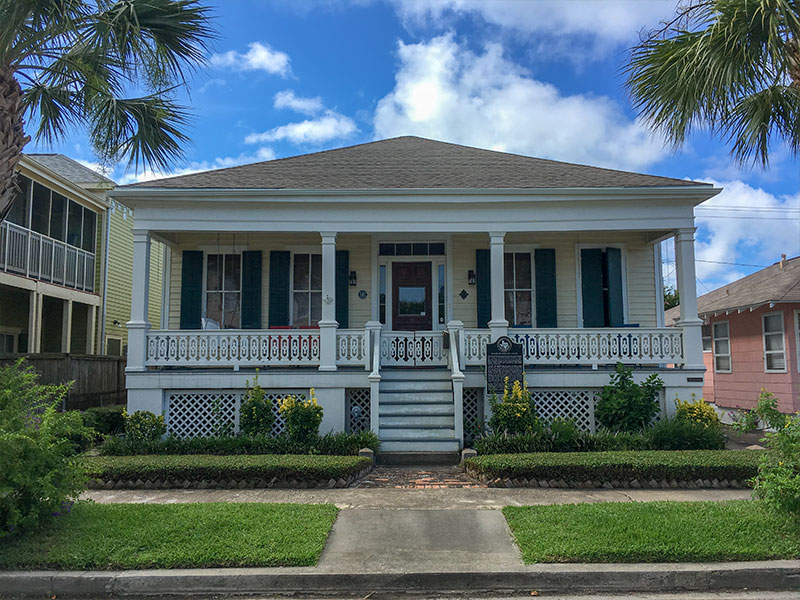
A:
(732, 66)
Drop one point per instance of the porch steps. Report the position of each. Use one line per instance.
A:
(415, 412)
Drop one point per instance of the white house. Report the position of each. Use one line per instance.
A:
(378, 273)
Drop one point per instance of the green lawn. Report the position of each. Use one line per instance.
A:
(139, 536)
(652, 532)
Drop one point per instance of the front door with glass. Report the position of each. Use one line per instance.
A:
(411, 296)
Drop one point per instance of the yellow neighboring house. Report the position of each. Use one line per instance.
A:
(66, 263)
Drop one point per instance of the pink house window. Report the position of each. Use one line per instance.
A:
(722, 347)
(774, 344)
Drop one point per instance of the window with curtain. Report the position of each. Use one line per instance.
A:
(774, 346)
(224, 290)
(722, 347)
(518, 288)
(306, 290)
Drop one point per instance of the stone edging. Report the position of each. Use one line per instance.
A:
(274, 483)
(698, 484)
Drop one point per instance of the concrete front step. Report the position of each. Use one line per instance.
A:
(389, 374)
(441, 409)
(391, 445)
(412, 397)
(423, 421)
(417, 385)
(414, 433)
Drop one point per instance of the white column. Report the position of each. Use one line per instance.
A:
(138, 326)
(328, 323)
(498, 323)
(687, 290)
(66, 327)
(373, 329)
(33, 321)
(91, 329)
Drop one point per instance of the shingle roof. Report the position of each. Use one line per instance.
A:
(776, 283)
(411, 163)
(71, 169)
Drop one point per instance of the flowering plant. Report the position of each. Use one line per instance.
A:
(514, 412)
(697, 411)
(256, 413)
(303, 416)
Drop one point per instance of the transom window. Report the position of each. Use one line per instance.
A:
(774, 348)
(306, 290)
(411, 249)
(518, 284)
(722, 347)
(224, 290)
(706, 338)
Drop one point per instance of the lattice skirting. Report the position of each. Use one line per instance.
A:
(574, 404)
(474, 420)
(196, 413)
(357, 415)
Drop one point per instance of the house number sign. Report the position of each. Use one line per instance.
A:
(503, 359)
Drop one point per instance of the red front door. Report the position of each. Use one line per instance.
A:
(412, 308)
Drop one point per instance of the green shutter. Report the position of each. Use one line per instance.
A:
(251, 289)
(546, 300)
(484, 287)
(342, 289)
(192, 289)
(279, 288)
(613, 258)
(592, 287)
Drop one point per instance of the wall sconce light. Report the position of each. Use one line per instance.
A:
(353, 278)
(471, 277)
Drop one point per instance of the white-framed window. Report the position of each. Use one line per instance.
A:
(223, 295)
(774, 343)
(722, 347)
(707, 337)
(518, 288)
(306, 289)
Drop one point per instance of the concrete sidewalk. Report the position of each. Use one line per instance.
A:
(414, 499)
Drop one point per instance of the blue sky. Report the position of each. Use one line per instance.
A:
(540, 78)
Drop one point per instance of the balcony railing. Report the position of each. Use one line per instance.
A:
(38, 256)
(584, 346)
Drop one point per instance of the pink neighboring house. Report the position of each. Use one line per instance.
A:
(751, 338)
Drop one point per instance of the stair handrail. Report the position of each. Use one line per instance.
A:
(374, 331)
(455, 329)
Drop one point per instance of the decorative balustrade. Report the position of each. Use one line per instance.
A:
(35, 255)
(413, 348)
(219, 348)
(351, 347)
(584, 346)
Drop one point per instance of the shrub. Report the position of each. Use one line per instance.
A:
(625, 405)
(105, 420)
(682, 434)
(766, 410)
(256, 416)
(143, 425)
(40, 475)
(778, 479)
(697, 411)
(514, 412)
(343, 444)
(303, 417)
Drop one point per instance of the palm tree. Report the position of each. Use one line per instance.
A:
(732, 66)
(73, 63)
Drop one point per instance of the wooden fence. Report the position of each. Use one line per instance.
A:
(98, 380)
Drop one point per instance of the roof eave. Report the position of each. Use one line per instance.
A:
(32, 168)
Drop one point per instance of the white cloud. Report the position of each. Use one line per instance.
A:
(747, 237)
(259, 57)
(220, 162)
(329, 126)
(444, 91)
(601, 24)
(307, 106)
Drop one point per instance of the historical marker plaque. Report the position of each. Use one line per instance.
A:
(503, 359)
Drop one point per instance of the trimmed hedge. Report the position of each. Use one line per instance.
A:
(338, 444)
(225, 468)
(686, 465)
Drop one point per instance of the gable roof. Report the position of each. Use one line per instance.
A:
(777, 283)
(72, 170)
(411, 163)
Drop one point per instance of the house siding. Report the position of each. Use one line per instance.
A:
(740, 388)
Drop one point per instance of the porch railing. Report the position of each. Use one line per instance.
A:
(220, 348)
(352, 347)
(413, 348)
(584, 346)
(38, 256)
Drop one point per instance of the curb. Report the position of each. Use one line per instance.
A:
(572, 578)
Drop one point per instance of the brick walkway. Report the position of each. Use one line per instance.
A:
(421, 478)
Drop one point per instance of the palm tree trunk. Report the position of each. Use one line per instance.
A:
(12, 138)
(793, 59)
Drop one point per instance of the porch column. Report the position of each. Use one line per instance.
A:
(66, 327)
(687, 290)
(138, 326)
(34, 322)
(91, 329)
(328, 323)
(498, 323)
